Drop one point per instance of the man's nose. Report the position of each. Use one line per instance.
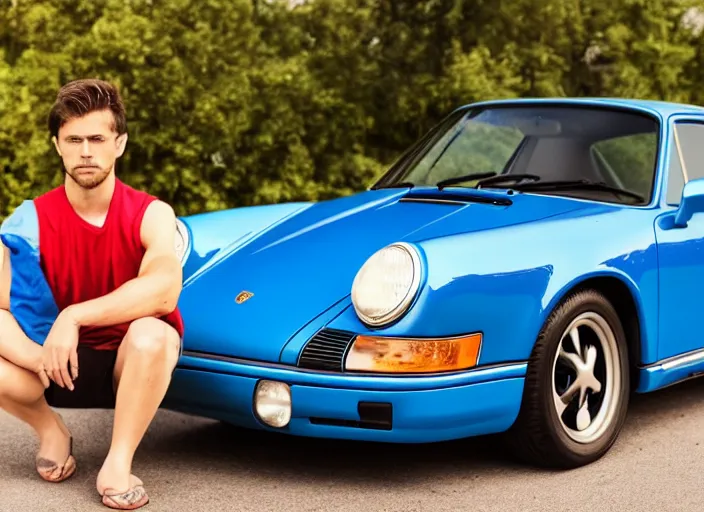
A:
(85, 149)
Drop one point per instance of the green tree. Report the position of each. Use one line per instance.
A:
(239, 102)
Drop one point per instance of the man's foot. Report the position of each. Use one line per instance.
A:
(55, 461)
(130, 497)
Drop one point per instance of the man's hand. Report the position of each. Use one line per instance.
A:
(41, 373)
(61, 348)
(35, 362)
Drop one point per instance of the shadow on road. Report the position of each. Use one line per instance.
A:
(218, 446)
(214, 446)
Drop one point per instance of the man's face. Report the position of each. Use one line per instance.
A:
(89, 148)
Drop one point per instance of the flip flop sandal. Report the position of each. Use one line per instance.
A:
(47, 468)
(132, 499)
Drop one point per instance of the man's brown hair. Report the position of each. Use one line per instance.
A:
(81, 97)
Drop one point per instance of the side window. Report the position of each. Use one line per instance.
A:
(691, 143)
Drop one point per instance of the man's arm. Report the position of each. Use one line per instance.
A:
(15, 346)
(4, 277)
(155, 291)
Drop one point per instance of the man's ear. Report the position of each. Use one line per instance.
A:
(121, 144)
(56, 145)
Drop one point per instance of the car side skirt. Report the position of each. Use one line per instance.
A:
(671, 371)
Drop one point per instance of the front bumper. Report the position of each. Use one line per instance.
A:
(404, 409)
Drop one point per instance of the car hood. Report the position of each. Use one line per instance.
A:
(305, 264)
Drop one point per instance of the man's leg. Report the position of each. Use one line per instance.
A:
(22, 395)
(145, 362)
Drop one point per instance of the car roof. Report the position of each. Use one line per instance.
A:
(661, 108)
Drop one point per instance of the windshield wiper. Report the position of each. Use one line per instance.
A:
(506, 178)
(578, 184)
(460, 179)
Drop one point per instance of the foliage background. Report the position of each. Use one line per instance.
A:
(242, 102)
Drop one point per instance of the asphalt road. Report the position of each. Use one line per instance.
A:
(202, 465)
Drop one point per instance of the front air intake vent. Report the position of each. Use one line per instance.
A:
(446, 197)
(326, 350)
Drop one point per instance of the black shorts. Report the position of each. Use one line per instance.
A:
(93, 389)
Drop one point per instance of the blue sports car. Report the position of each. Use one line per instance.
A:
(521, 269)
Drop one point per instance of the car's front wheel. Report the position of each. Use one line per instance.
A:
(577, 385)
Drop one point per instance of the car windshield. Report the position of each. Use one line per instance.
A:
(560, 148)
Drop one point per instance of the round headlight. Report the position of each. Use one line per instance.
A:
(386, 284)
(272, 403)
(182, 240)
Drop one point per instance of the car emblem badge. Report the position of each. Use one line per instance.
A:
(243, 296)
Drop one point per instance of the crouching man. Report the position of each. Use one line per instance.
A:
(89, 282)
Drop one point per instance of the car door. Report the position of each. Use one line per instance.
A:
(681, 250)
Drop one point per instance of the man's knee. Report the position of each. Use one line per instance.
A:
(18, 384)
(151, 338)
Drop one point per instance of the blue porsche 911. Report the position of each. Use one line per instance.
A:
(521, 269)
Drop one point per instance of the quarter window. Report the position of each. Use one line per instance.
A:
(691, 145)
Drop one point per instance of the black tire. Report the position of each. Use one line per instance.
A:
(538, 436)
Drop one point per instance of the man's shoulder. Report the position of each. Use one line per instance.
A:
(145, 204)
(134, 201)
(158, 211)
(157, 216)
(160, 207)
(132, 191)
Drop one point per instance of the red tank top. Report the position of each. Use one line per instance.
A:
(83, 262)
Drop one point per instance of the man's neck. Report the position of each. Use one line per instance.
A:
(91, 204)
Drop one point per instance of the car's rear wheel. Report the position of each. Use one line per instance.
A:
(577, 385)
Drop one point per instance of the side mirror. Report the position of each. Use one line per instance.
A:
(692, 202)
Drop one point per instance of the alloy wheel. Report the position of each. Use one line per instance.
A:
(585, 378)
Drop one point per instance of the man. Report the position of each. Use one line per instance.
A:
(89, 283)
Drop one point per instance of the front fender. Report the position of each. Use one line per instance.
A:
(505, 282)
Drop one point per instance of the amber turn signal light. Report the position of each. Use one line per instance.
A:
(413, 355)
